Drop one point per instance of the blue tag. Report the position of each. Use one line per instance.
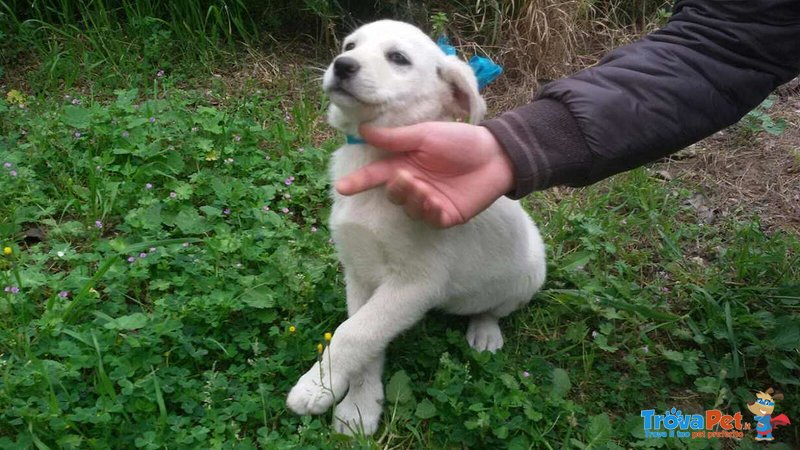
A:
(485, 69)
(352, 140)
(444, 44)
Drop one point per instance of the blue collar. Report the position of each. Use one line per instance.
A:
(355, 140)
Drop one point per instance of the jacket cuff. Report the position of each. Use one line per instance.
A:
(545, 145)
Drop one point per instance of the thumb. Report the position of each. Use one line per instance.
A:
(368, 177)
(400, 139)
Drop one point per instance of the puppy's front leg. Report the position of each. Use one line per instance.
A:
(357, 292)
(360, 411)
(394, 307)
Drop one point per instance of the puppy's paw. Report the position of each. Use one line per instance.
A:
(360, 411)
(484, 333)
(316, 391)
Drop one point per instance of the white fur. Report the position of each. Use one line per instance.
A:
(397, 269)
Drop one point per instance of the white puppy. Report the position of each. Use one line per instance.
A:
(396, 269)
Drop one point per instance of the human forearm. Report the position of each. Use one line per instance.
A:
(711, 64)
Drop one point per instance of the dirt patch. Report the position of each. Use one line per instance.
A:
(745, 174)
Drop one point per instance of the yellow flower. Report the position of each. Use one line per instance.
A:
(7, 250)
(94, 292)
(15, 96)
(320, 348)
(212, 155)
(328, 337)
(292, 328)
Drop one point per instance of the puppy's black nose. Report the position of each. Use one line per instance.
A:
(345, 67)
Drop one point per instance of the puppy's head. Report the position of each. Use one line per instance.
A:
(390, 73)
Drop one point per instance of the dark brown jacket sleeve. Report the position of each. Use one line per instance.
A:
(712, 63)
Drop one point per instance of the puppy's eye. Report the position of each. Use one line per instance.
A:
(350, 46)
(398, 58)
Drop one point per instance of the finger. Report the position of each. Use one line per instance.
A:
(373, 175)
(447, 219)
(423, 202)
(399, 188)
(401, 139)
(419, 194)
(436, 214)
(446, 215)
(432, 212)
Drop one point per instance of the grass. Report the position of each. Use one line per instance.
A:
(170, 276)
(122, 43)
(159, 273)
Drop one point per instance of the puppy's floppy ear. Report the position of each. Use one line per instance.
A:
(466, 101)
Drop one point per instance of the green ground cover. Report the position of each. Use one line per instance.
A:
(169, 275)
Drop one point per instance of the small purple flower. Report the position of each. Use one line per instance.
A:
(98, 224)
(125, 134)
(148, 186)
(7, 165)
(77, 134)
(131, 259)
(152, 120)
(14, 290)
(594, 334)
(13, 173)
(288, 181)
(237, 138)
(143, 255)
(63, 294)
(285, 210)
(291, 178)
(526, 374)
(265, 208)
(185, 244)
(160, 73)
(226, 211)
(313, 229)
(173, 194)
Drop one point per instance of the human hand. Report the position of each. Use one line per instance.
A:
(444, 173)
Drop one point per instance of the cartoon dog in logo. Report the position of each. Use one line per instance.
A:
(762, 409)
